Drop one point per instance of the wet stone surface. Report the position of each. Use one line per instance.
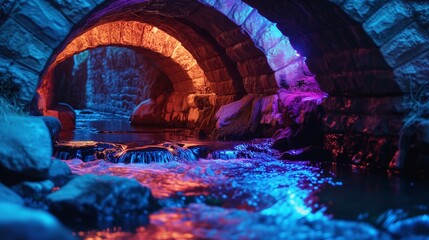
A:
(224, 190)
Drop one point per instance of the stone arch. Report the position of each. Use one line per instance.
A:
(364, 53)
(169, 55)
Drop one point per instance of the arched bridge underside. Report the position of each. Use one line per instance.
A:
(370, 57)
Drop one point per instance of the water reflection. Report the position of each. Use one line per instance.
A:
(255, 196)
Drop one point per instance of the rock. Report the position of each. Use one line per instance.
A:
(239, 119)
(414, 146)
(307, 154)
(282, 138)
(7, 195)
(411, 228)
(59, 172)
(146, 114)
(33, 189)
(18, 222)
(101, 201)
(65, 114)
(54, 127)
(26, 149)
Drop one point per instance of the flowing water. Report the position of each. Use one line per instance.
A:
(240, 190)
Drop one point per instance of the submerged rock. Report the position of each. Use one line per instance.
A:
(7, 195)
(307, 154)
(17, 222)
(102, 201)
(26, 149)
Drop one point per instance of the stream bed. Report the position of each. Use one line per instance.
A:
(241, 190)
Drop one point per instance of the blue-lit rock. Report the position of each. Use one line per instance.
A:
(7, 195)
(411, 228)
(33, 189)
(60, 173)
(17, 222)
(102, 201)
(26, 148)
(54, 126)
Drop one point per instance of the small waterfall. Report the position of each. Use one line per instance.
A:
(224, 154)
(164, 153)
(87, 151)
(144, 155)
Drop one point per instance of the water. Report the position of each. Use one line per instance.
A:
(241, 191)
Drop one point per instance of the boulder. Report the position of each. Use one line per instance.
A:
(17, 222)
(101, 201)
(65, 114)
(239, 120)
(7, 195)
(26, 149)
(59, 172)
(33, 189)
(146, 113)
(54, 126)
(413, 146)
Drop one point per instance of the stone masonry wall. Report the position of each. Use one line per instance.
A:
(109, 79)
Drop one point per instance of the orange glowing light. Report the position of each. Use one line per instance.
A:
(189, 79)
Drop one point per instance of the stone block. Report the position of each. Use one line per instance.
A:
(243, 50)
(195, 72)
(361, 10)
(413, 76)
(131, 33)
(231, 38)
(225, 6)
(269, 38)
(254, 24)
(405, 45)
(388, 21)
(218, 75)
(366, 105)
(170, 45)
(103, 34)
(115, 32)
(421, 9)
(75, 10)
(240, 12)
(212, 63)
(21, 45)
(386, 125)
(260, 84)
(208, 2)
(370, 82)
(21, 80)
(281, 54)
(43, 20)
(184, 58)
(205, 52)
(223, 88)
(290, 75)
(254, 66)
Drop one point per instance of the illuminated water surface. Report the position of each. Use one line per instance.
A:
(259, 197)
